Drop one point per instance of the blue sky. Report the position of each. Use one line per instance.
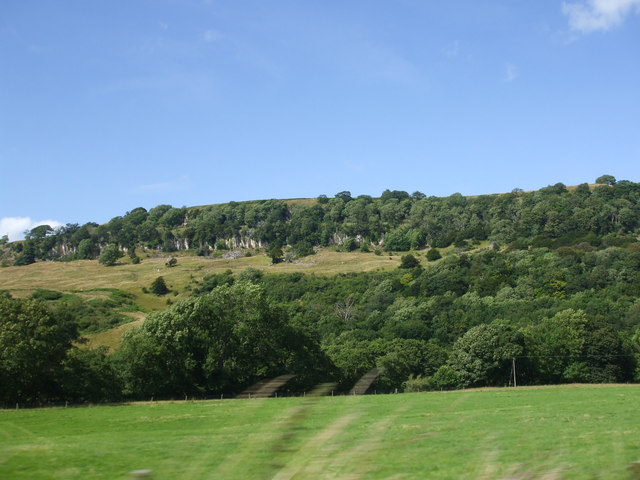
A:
(106, 106)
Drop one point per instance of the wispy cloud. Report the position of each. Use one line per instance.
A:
(211, 36)
(14, 227)
(590, 15)
(183, 85)
(511, 72)
(179, 184)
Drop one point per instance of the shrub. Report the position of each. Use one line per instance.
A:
(172, 262)
(433, 254)
(409, 261)
(350, 244)
(110, 255)
(159, 287)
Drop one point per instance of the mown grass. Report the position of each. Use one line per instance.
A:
(579, 432)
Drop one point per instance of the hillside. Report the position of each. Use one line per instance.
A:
(553, 216)
(433, 293)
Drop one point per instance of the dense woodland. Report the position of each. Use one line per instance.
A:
(553, 289)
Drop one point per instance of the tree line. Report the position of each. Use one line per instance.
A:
(553, 216)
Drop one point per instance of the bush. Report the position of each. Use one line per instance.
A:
(409, 261)
(417, 384)
(110, 255)
(350, 244)
(433, 254)
(303, 249)
(42, 294)
(159, 287)
(172, 262)
(445, 378)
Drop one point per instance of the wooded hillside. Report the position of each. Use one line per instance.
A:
(539, 287)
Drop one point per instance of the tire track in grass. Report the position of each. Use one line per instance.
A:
(43, 443)
(353, 463)
(303, 463)
(229, 466)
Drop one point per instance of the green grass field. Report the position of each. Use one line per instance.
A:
(573, 432)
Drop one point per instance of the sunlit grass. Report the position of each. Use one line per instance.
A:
(84, 275)
(554, 433)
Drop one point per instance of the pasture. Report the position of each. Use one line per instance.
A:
(569, 432)
(86, 275)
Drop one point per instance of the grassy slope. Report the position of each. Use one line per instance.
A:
(562, 432)
(88, 274)
(82, 277)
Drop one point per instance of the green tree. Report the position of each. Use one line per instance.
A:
(433, 254)
(483, 355)
(409, 261)
(276, 253)
(159, 287)
(556, 343)
(110, 255)
(397, 240)
(86, 249)
(606, 180)
(33, 346)
(219, 342)
(89, 375)
(28, 255)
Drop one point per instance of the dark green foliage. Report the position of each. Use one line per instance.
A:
(220, 342)
(433, 254)
(276, 253)
(159, 287)
(350, 244)
(397, 240)
(483, 355)
(562, 272)
(250, 275)
(409, 261)
(90, 376)
(33, 345)
(551, 217)
(172, 262)
(110, 255)
(606, 180)
(87, 249)
(303, 249)
(28, 255)
(42, 294)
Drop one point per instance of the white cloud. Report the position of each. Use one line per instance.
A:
(15, 227)
(511, 72)
(591, 15)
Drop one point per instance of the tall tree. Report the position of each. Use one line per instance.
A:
(33, 345)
